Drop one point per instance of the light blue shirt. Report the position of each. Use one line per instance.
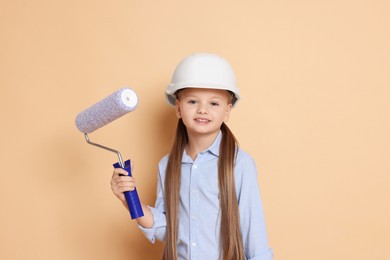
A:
(199, 211)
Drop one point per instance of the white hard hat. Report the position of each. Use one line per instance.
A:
(203, 70)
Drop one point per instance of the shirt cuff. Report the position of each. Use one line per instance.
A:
(158, 221)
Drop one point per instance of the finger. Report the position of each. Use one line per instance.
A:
(122, 187)
(119, 179)
(126, 188)
(120, 172)
(126, 184)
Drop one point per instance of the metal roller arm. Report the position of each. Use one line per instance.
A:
(106, 148)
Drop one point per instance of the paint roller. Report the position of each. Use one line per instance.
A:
(102, 113)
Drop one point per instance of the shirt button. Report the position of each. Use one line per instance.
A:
(193, 244)
(195, 166)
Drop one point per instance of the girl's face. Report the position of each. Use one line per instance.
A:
(203, 110)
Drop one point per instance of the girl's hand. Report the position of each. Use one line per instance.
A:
(120, 184)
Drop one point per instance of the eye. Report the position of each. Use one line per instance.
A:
(191, 101)
(214, 104)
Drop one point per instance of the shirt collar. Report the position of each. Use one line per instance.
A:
(213, 149)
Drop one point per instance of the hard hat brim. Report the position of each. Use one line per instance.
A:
(173, 88)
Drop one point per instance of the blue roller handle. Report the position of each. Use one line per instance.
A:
(132, 198)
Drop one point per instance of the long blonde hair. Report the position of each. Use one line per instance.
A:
(230, 235)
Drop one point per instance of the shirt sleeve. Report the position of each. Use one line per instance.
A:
(253, 229)
(157, 231)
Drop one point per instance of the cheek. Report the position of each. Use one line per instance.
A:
(183, 111)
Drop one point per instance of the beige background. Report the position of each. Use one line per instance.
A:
(314, 77)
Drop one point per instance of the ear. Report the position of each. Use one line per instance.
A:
(177, 109)
(227, 112)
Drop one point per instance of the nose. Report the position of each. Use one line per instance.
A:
(202, 108)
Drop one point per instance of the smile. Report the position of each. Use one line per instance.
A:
(202, 120)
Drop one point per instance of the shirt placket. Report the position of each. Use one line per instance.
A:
(194, 209)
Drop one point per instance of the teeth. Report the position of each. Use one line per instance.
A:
(202, 120)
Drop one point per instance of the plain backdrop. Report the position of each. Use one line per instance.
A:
(314, 113)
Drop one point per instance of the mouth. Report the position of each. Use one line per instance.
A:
(202, 120)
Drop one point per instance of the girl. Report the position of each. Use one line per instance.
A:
(208, 202)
